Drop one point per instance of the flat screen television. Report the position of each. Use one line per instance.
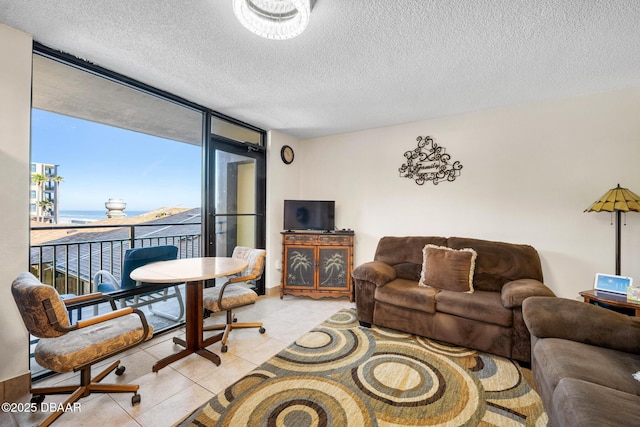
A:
(309, 215)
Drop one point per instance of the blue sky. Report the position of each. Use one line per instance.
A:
(99, 162)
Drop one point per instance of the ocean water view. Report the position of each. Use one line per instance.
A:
(84, 216)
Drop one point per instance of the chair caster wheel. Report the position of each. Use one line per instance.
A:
(262, 330)
(37, 399)
(120, 370)
(135, 400)
(224, 349)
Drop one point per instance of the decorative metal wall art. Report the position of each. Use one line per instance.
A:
(429, 162)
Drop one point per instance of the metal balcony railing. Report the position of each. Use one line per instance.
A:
(69, 263)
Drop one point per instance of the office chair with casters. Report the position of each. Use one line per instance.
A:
(236, 292)
(66, 347)
(105, 282)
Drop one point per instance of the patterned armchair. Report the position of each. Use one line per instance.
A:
(66, 347)
(235, 293)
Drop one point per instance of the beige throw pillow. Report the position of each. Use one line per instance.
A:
(448, 269)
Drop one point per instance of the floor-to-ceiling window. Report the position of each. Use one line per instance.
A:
(198, 176)
(105, 149)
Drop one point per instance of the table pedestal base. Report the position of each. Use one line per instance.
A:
(194, 342)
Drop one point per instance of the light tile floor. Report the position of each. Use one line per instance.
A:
(175, 391)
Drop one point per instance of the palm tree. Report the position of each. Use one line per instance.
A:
(44, 205)
(39, 179)
(299, 263)
(57, 179)
(333, 264)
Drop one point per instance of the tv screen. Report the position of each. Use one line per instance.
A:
(309, 215)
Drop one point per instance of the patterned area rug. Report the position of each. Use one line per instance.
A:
(340, 374)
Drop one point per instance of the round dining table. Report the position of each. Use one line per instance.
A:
(192, 271)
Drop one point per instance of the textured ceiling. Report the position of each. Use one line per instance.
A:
(360, 63)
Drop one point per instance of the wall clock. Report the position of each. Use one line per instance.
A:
(286, 154)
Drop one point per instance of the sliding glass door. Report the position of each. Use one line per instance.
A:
(235, 190)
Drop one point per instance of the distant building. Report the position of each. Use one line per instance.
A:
(44, 193)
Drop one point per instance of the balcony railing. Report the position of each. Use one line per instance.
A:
(70, 263)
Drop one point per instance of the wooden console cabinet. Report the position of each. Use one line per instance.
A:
(317, 264)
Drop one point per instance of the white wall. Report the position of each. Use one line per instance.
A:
(15, 116)
(528, 174)
(283, 182)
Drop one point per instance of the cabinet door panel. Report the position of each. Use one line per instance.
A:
(300, 266)
(333, 267)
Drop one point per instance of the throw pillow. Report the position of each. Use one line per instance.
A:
(448, 269)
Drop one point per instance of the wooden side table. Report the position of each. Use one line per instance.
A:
(614, 300)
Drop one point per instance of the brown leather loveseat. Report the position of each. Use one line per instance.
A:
(486, 317)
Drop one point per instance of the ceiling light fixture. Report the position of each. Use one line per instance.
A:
(273, 19)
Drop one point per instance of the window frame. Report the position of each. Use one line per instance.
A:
(207, 211)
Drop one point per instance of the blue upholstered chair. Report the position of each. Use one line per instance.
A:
(235, 293)
(71, 347)
(106, 283)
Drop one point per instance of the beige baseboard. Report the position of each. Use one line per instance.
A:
(16, 387)
(272, 291)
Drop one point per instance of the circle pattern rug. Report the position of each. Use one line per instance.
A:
(341, 374)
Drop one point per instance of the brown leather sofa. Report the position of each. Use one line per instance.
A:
(488, 319)
(583, 360)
